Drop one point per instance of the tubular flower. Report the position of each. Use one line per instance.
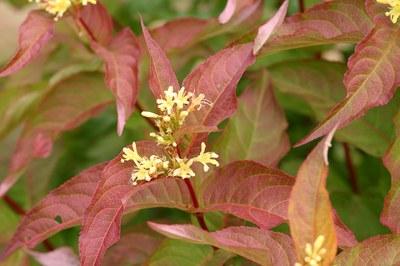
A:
(394, 9)
(314, 253)
(174, 108)
(59, 7)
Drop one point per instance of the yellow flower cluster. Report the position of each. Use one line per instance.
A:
(174, 108)
(314, 253)
(59, 7)
(394, 9)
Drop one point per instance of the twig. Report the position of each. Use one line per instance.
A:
(16, 208)
(199, 215)
(302, 6)
(350, 168)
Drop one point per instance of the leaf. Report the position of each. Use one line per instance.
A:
(15, 104)
(114, 194)
(236, 11)
(310, 211)
(97, 22)
(65, 107)
(161, 74)
(36, 31)
(126, 253)
(250, 191)
(175, 252)
(61, 257)
(121, 66)
(376, 251)
(370, 81)
(60, 209)
(256, 193)
(261, 246)
(320, 84)
(326, 23)
(390, 215)
(257, 131)
(179, 33)
(265, 31)
(217, 79)
(228, 11)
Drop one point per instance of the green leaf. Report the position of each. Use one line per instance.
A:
(257, 131)
(177, 252)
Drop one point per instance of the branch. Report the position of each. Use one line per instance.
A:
(352, 174)
(302, 6)
(199, 216)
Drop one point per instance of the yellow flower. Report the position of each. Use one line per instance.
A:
(184, 169)
(394, 9)
(174, 108)
(206, 158)
(314, 253)
(167, 104)
(130, 154)
(59, 7)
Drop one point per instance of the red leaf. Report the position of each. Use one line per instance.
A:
(61, 209)
(326, 23)
(378, 250)
(97, 22)
(310, 212)
(370, 81)
(102, 221)
(390, 215)
(250, 191)
(261, 246)
(65, 107)
(257, 131)
(180, 33)
(60, 257)
(217, 79)
(161, 74)
(265, 31)
(121, 66)
(36, 31)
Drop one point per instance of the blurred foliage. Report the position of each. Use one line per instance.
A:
(96, 141)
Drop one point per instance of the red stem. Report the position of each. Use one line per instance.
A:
(302, 6)
(350, 168)
(199, 215)
(14, 206)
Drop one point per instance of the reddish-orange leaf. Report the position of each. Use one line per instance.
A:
(261, 246)
(217, 79)
(114, 194)
(161, 74)
(121, 66)
(36, 31)
(383, 250)
(61, 209)
(310, 212)
(325, 23)
(371, 79)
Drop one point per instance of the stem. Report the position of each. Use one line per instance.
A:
(302, 6)
(150, 121)
(14, 206)
(199, 215)
(350, 168)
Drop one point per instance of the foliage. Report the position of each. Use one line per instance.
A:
(160, 132)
